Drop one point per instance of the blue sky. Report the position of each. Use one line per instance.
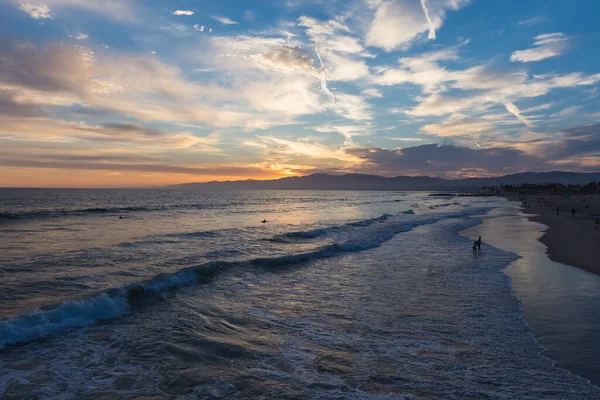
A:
(138, 93)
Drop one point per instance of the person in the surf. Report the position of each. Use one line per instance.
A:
(479, 244)
(475, 247)
(264, 221)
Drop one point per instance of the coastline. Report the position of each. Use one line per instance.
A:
(559, 302)
(569, 240)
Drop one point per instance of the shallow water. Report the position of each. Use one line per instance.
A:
(340, 295)
(560, 302)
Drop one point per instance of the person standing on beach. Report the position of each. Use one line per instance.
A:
(479, 244)
(573, 212)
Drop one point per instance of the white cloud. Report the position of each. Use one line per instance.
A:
(80, 36)
(431, 26)
(567, 112)
(198, 27)
(546, 46)
(224, 20)
(514, 110)
(457, 127)
(396, 24)
(351, 107)
(532, 21)
(36, 11)
(423, 70)
(539, 107)
(340, 55)
(372, 93)
(341, 68)
(120, 10)
(183, 12)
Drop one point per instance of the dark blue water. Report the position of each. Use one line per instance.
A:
(160, 294)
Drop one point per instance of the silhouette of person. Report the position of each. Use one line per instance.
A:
(479, 244)
(475, 247)
(557, 210)
(573, 212)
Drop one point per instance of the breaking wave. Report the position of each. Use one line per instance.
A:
(115, 303)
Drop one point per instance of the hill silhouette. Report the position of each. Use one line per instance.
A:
(324, 181)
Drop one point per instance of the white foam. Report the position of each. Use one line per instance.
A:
(70, 314)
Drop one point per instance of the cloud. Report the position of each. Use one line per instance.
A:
(183, 12)
(478, 88)
(277, 75)
(546, 46)
(351, 107)
(514, 110)
(36, 11)
(574, 149)
(347, 131)
(444, 161)
(341, 68)
(157, 167)
(339, 54)
(10, 106)
(307, 149)
(119, 10)
(80, 36)
(397, 23)
(140, 87)
(431, 26)
(463, 127)
(423, 70)
(532, 21)
(372, 92)
(567, 112)
(577, 142)
(198, 28)
(224, 20)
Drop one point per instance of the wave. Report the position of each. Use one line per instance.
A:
(37, 214)
(115, 303)
(54, 213)
(319, 232)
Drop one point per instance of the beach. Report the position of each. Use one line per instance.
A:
(569, 240)
(559, 302)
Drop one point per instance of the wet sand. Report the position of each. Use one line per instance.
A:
(560, 303)
(569, 240)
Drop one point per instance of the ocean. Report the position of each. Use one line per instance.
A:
(163, 294)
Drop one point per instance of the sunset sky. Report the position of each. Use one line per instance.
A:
(114, 93)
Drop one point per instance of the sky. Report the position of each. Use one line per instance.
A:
(138, 93)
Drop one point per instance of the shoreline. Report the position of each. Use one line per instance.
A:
(569, 240)
(559, 303)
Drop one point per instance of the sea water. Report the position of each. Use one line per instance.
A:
(171, 294)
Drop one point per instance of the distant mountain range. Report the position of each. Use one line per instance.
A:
(375, 182)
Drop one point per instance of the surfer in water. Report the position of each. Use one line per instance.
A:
(264, 221)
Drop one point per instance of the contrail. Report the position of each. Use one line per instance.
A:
(324, 87)
(514, 110)
(431, 27)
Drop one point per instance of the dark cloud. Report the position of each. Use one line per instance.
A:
(11, 108)
(433, 159)
(56, 68)
(580, 141)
